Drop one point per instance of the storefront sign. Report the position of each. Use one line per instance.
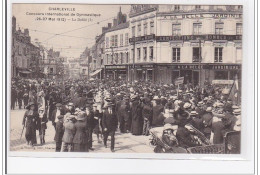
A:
(222, 82)
(195, 37)
(115, 67)
(196, 67)
(142, 38)
(225, 67)
(179, 80)
(143, 66)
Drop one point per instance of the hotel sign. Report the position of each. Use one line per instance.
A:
(142, 38)
(195, 37)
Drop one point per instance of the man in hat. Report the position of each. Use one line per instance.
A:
(58, 111)
(109, 123)
(207, 122)
(89, 114)
(147, 113)
(196, 120)
(13, 97)
(124, 115)
(137, 119)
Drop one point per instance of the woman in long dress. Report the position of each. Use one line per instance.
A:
(30, 122)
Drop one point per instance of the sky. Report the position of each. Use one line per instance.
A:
(45, 30)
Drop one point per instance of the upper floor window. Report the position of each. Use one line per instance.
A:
(121, 39)
(107, 42)
(197, 7)
(116, 40)
(151, 53)
(176, 29)
(151, 27)
(145, 53)
(218, 54)
(196, 54)
(138, 53)
(197, 28)
(126, 57)
(139, 30)
(240, 7)
(126, 39)
(145, 28)
(239, 28)
(133, 31)
(219, 28)
(177, 7)
(176, 54)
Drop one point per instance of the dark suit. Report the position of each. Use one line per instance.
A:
(90, 126)
(53, 116)
(58, 135)
(109, 121)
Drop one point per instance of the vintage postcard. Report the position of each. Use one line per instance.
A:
(129, 78)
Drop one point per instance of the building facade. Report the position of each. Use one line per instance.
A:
(199, 43)
(25, 56)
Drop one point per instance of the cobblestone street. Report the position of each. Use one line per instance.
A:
(125, 143)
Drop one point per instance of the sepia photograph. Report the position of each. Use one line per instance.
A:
(126, 78)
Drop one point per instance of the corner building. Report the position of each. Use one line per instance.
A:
(199, 43)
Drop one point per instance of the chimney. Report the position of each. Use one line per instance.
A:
(114, 22)
(109, 25)
(26, 32)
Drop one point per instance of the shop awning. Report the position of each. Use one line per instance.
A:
(95, 73)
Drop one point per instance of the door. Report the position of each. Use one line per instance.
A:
(195, 78)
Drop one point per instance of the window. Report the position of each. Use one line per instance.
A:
(133, 54)
(219, 28)
(126, 39)
(239, 28)
(196, 54)
(197, 7)
(176, 29)
(151, 53)
(221, 75)
(145, 28)
(145, 53)
(133, 31)
(176, 7)
(176, 54)
(139, 30)
(126, 57)
(51, 70)
(218, 54)
(138, 53)
(112, 41)
(121, 58)
(240, 7)
(121, 40)
(239, 54)
(107, 42)
(116, 40)
(197, 28)
(152, 27)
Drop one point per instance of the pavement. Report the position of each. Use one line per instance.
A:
(124, 143)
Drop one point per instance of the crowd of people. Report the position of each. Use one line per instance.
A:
(78, 109)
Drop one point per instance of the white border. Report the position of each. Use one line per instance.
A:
(18, 164)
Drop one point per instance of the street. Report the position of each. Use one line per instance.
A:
(124, 143)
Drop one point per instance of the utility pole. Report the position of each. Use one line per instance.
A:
(199, 62)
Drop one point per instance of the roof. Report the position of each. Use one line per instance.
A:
(119, 27)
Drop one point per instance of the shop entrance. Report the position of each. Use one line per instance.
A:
(195, 78)
(175, 74)
(187, 74)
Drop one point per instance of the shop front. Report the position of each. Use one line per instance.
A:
(116, 72)
(143, 72)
